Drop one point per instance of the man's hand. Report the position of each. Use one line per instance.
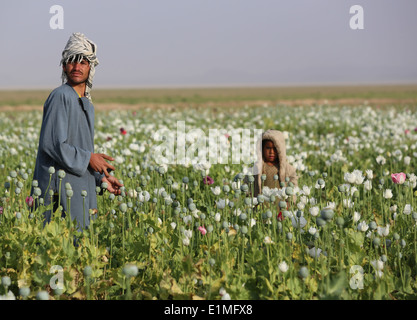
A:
(98, 163)
(113, 185)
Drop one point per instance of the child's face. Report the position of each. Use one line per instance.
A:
(269, 151)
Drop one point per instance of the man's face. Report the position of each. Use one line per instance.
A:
(77, 72)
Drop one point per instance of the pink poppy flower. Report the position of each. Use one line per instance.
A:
(202, 230)
(29, 201)
(208, 180)
(398, 178)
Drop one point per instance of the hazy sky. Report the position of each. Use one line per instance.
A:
(213, 42)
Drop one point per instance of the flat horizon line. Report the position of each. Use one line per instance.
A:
(235, 85)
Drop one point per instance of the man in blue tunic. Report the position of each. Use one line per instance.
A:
(66, 139)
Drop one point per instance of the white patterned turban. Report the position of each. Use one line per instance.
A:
(77, 48)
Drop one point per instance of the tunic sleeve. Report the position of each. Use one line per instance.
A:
(53, 140)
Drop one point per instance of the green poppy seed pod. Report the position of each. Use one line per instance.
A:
(123, 207)
(104, 185)
(51, 170)
(24, 292)
(212, 262)
(327, 214)
(269, 214)
(311, 173)
(226, 189)
(83, 193)
(251, 179)
(244, 188)
(112, 196)
(244, 229)
(276, 177)
(51, 192)
(260, 198)
(289, 236)
(185, 180)
(384, 258)
(320, 222)
(7, 185)
(88, 271)
(25, 176)
(61, 174)
(340, 221)
(263, 177)
(209, 228)
(231, 204)
(282, 204)
(236, 227)
(414, 215)
(13, 174)
(396, 236)
(150, 230)
(17, 191)
(356, 194)
(320, 182)
(18, 215)
(341, 188)
(243, 216)
(98, 190)
(287, 179)
(289, 191)
(69, 193)
(225, 224)
(42, 295)
(324, 174)
(168, 182)
(299, 213)
(6, 281)
(372, 225)
(403, 243)
(303, 273)
(192, 207)
(376, 242)
(130, 270)
(20, 184)
(282, 184)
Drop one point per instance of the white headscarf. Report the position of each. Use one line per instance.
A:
(79, 47)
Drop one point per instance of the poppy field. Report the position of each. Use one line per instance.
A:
(192, 231)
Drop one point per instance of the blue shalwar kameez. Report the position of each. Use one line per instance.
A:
(66, 142)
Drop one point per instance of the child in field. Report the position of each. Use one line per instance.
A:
(272, 167)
